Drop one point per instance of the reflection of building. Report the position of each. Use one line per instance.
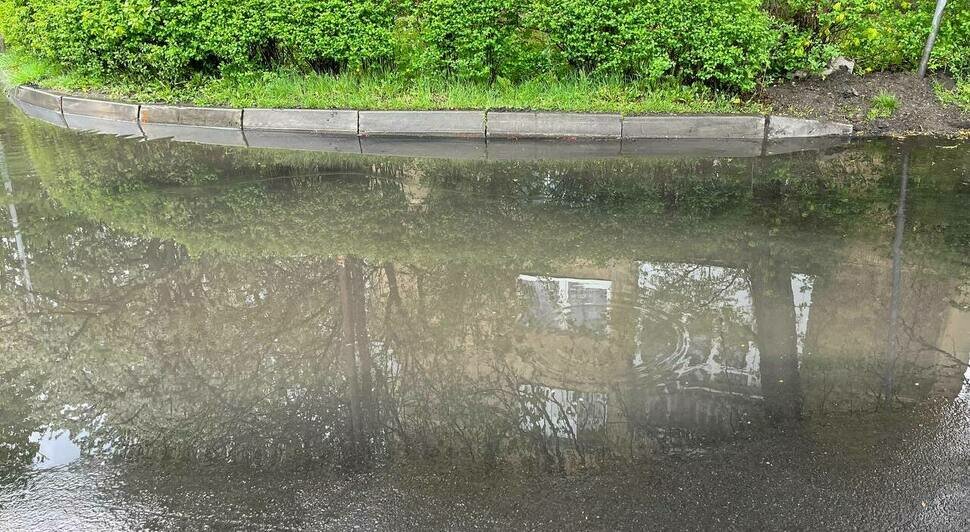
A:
(681, 345)
(566, 304)
(677, 340)
(641, 352)
(849, 334)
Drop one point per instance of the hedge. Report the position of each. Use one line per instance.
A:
(726, 44)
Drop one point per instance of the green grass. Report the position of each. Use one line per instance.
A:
(958, 96)
(883, 105)
(388, 91)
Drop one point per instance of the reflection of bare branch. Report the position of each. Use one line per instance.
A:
(571, 431)
(913, 335)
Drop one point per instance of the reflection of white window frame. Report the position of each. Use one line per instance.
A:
(562, 296)
(564, 411)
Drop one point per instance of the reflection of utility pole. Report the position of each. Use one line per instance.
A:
(888, 379)
(14, 221)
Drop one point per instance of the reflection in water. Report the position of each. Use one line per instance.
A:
(892, 349)
(217, 306)
(55, 449)
(15, 224)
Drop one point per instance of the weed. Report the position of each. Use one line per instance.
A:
(883, 105)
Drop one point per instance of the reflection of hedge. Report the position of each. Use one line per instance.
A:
(277, 203)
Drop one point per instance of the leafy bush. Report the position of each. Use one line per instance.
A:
(888, 34)
(720, 42)
(476, 39)
(331, 34)
(604, 36)
(952, 50)
(725, 44)
(173, 39)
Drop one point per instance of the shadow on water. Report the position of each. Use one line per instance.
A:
(180, 318)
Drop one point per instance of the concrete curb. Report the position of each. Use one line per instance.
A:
(783, 127)
(509, 125)
(39, 98)
(40, 113)
(330, 121)
(694, 127)
(190, 116)
(456, 124)
(496, 132)
(100, 109)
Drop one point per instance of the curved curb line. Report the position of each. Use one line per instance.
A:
(277, 128)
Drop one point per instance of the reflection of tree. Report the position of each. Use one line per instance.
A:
(356, 351)
(17, 423)
(212, 322)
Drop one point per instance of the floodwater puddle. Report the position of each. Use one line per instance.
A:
(200, 336)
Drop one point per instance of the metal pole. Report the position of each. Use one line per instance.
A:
(15, 223)
(931, 40)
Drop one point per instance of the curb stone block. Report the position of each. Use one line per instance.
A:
(128, 119)
(783, 127)
(39, 98)
(460, 124)
(554, 125)
(191, 116)
(104, 110)
(336, 122)
(694, 127)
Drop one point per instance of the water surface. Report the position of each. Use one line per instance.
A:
(198, 336)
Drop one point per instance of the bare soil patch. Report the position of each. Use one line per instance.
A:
(848, 98)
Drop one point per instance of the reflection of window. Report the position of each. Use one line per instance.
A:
(698, 321)
(562, 413)
(565, 304)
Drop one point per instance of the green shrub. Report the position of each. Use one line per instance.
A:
(173, 39)
(605, 36)
(724, 44)
(720, 42)
(799, 50)
(331, 34)
(888, 34)
(476, 39)
(952, 49)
